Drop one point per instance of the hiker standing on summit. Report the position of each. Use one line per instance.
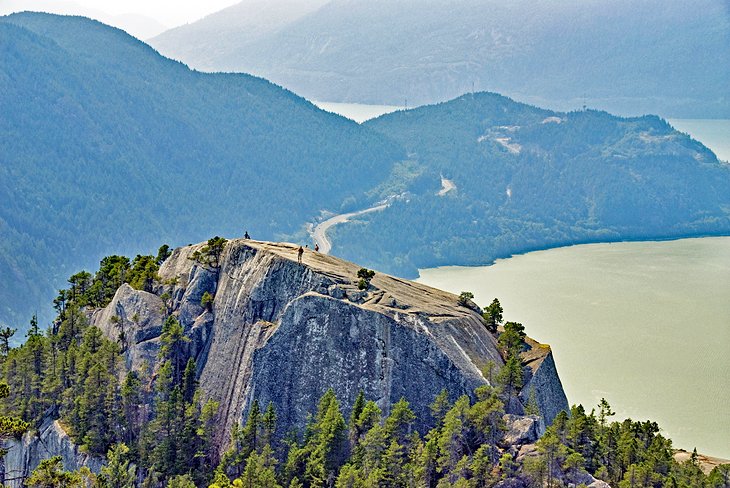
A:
(299, 254)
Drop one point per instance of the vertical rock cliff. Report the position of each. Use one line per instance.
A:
(49, 440)
(283, 332)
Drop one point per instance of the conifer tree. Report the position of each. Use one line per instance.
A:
(512, 339)
(532, 407)
(440, 406)
(399, 423)
(357, 408)
(189, 381)
(131, 396)
(119, 472)
(50, 474)
(5, 335)
(268, 425)
(260, 470)
(10, 427)
(162, 254)
(181, 481)
(493, 316)
(324, 449)
(172, 349)
(511, 377)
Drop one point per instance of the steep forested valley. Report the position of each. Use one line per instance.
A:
(257, 363)
(108, 147)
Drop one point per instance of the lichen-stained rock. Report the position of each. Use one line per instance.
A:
(522, 429)
(598, 484)
(325, 343)
(132, 310)
(285, 332)
(201, 280)
(543, 379)
(527, 451)
(139, 316)
(49, 440)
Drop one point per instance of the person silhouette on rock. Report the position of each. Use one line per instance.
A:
(300, 252)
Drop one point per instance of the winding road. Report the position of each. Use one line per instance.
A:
(446, 186)
(319, 233)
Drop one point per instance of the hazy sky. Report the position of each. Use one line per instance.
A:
(160, 13)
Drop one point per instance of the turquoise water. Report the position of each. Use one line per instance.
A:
(644, 324)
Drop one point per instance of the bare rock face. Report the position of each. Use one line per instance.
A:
(283, 332)
(522, 429)
(323, 342)
(598, 484)
(134, 318)
(49, 440)
(543, 380)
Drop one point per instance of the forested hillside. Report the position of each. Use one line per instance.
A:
(154, 428)
(242, 363)
(528, 178)
(655, 56)
(106, 146)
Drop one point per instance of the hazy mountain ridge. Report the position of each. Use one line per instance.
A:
(671, 58)
(216, 34)
(107, 145)
(138, 25)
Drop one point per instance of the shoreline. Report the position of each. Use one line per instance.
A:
(564, 299)
(567, 246)
(707, 463)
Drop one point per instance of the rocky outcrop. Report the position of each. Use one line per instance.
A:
(330, 343)
(543, 380)
(49, 440)
(522, 429)
(707, 463)
(580, 478)
(134, 318)
(283, 332)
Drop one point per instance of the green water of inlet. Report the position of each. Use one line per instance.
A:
(644, 324)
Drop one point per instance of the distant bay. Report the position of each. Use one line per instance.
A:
(359, 112)
(644, 324)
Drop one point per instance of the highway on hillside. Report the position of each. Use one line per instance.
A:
(319, 233)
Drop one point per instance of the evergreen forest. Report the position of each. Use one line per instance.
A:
(156, 430)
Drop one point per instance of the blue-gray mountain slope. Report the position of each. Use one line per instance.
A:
(106, 146)
(654, 56)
